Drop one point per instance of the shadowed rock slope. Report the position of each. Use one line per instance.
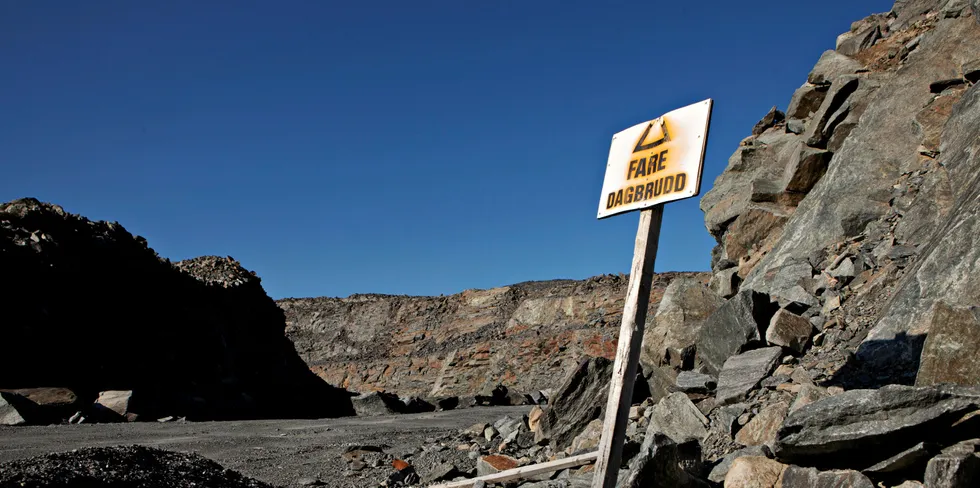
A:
(88, 306)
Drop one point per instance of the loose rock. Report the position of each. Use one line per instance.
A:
(742, 373)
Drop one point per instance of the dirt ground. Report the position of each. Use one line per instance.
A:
(280, 452)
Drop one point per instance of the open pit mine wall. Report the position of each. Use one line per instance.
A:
(90, 307)
(860, 203)
(527, 336)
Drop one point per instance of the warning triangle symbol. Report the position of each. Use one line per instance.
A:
(654, 135)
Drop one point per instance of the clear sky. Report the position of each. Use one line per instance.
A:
(396, 147)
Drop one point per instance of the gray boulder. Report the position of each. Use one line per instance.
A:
(830, 66)
(694, 382)
(686, 304)
(676, 417)
(805, 168)
(789, 330)
(578, 401)
(725, 282)
(658, 466)
(376, 404)
(806, 100)
(860, 428)
(9, 413)
(741, 373)
(737, 325)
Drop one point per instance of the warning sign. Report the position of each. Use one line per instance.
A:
(657, 161)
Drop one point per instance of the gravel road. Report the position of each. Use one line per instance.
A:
(280, 452)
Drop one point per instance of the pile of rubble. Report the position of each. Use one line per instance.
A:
(122, 466)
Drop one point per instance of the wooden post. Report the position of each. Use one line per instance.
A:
(628, 351)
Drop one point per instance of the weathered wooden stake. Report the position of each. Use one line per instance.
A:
(628, 351)
(524, 471)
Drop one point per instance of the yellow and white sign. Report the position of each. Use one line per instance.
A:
(657, 161)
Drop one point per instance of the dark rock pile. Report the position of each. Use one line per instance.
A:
(90, 308)
(121, 467)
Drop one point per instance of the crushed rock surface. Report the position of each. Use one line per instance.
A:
(283, 453)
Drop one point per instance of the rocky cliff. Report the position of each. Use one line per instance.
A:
(526, 336)
(88, 306)
(858, 206)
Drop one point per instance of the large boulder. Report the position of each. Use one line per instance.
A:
(578, 401)
(736, 326)
(951, 353)
(860, 428)
(686, 304)
(677, 418)
(49, 405)
(116, 405)
(831, 66)
(789, 330)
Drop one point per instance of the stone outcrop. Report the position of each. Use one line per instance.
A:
(861, 208)
(89, 307)
(521, 336)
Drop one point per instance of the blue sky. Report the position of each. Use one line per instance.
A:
(412, 148)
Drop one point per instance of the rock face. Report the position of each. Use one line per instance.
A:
(522, 336)
(91, 308)
(863, 207)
